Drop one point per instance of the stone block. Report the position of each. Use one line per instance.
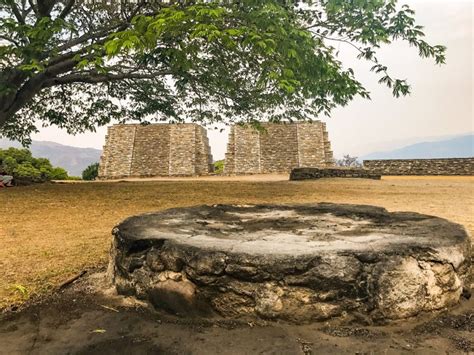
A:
(134, 150)
(278, 148)
(447, 166)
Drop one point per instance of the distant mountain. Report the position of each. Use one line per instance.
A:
(73, 159)
(458, 147)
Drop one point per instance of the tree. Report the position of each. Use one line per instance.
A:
(91, 172)
(219, 167)
(349, 162)
(78, 64)
(27, 169)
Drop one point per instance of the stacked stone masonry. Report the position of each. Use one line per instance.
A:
(278, 148)
(320, 173)
(155, 150)
(451, 166)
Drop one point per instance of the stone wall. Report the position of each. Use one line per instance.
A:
(277, 149)
(319, 173)
(451, 166)
(155, 150)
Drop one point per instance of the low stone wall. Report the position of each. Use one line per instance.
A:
(316, 173)
(449, 166)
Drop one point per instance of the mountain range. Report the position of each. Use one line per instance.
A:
(73, 159)
(457, 147)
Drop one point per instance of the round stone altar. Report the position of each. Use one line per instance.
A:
(292, 262)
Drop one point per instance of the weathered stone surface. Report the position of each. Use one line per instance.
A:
(298, 263)
(133, 150)
(448, 166)
(319, 173)
(277, 149)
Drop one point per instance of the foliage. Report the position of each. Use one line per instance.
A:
(78, 64)
(27, 171)
(25, 168)
(91, 172)
(74, 178)
(219, 167)
(349, 162)
(59, 174)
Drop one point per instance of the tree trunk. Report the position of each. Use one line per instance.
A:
(19, 89)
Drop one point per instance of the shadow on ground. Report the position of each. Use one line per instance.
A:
(86, 319)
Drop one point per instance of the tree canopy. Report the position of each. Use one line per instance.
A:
(91, 172)
(80, 64)
(26, 169)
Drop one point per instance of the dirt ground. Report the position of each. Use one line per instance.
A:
(51, 232)
(88, 319)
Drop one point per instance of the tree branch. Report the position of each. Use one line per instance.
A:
(13, 102)
(10, 40)
(67, 9)
(45, 7)
(16, 12)
(89, 36)
(33, 6)
(93, 78)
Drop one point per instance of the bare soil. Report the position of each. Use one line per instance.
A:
(51, 232)
(86, 319)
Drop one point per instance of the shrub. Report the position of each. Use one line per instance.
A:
(20, 155)
(91, 172)
(9, 164)
(40, 163)
(59, 174)
(349, 162)
(219, 167)
(74, 178)
(26, 169)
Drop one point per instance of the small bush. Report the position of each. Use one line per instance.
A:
(91, 172)
(349, 162)
(219, 167)
(9, 164)
(59, 174)
(74, 178)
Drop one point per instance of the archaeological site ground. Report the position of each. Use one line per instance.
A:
(236, 177)
(69, 232)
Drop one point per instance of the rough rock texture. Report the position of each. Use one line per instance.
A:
(155, 150)
(278, 149)
(450, 166)
(319, 173)
(298, 263)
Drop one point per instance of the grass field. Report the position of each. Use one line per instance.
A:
(50, 232)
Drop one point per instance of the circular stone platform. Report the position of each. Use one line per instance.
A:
(298, 263)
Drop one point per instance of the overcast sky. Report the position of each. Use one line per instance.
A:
(441, 103)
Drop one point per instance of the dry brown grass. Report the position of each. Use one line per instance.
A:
(50, 232)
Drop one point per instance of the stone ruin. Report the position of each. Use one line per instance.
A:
(443, 166)
(304, 149)
(134, 150)
(277, 149)
(335, 172)
(297, 263)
